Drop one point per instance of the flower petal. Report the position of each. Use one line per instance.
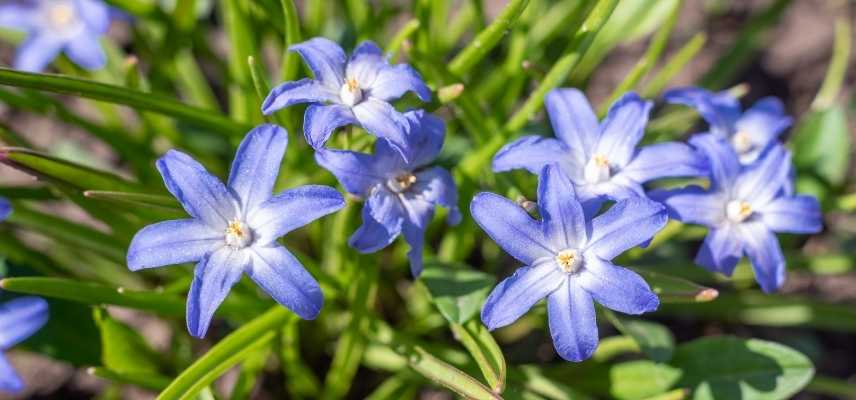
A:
(95, 14)
(292, 209)
(37, 52)
(721, 250)
(16, 16)
(319, 122)
(626, 224)
(573, 323)
(383, 217)
(380, 119)
(201, 194)
(797, 214)
(10, 382)
(415, 237)
(623, 128)
(365, 63)
(393, 81)
(562, 215)
(720, 110)
(573, 121)
(213, 279)
(662, 160)
(86, 51)
(763, 250)
(693, 205)
(326, 60)
(762, 124)
(426, 134)
(355, 171)
(436, 186)
(5, 208)
(256, 165)
(20, 318)
(760, 182)
(515, 295)
(172, 242)
(511, 227)
(721, 159)
(616, 288)
(297, 92)
(532, 153)
(282, 277)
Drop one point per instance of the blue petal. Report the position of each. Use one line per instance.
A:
(383, 217)
(721, 250)
(760, 182)
(425, 134)
(623, 128)
(573, 323)
(282, 276)
(763, 123)
(616, 288)
(95, 14)
(533, 153)
(365, 63)
(256, 165)
(380, 119)
(292, 209)
(720, 110)
(325, 58)
(201, 194)
(297, 92)
(763, 250)
(515, 295)
(573, 121)
(319, 122)
(355, 171)
(5, 208)
(20, 318)
(436, 186)
(213, 279)
(393, 81)
(626, 224)
(562, 215)
(172, 242)
(721, 159)
(415, 237)
(693, 205)
(797, 214)
(18, 17)
(86, 51)
(662, 160)
(37, 52)
(511, 228)
(10, 382)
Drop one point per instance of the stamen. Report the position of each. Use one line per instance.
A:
(742, 142)
(738, 210)
(238, 234)
(350, 93)
(61, 15)
(597, 170)
(569, 260)
(402, 182)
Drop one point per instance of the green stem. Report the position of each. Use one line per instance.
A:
(488, 38)
(837, 65)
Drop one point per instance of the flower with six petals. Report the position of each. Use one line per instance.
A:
(20, 318)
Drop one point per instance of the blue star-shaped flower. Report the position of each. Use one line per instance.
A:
(401, 195)
(750, 133)
(52, 26)
(601, 159)
(19, 319)
(567, 255)
(348, 91)
(233, 229)
(5, 208)
(744, 208)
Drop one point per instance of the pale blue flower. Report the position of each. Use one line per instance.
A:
(20, 318)
(5, 208)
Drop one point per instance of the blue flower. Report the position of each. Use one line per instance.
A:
(567, 256)
(750, 133)
(52, 26)
(348, 91)
(744, 208)
(601, 159)
(19, 319)
(401, 196)
(5, 208)
(234, 229)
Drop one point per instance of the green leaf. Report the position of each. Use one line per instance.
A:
(70, 334)
(487, 39)
(629, 380)
(822, 144)
(444, 374)
(675, 65)
(227, 353)
(123, 350)
(55, 169)
(725, 367)
(458, 291)
(150, 381)
(654, 339)
(484, 349)
(120, 95)
(672, 289)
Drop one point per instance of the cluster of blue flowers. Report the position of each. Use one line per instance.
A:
(592, 203)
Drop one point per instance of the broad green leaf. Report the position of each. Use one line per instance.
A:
(629, 380)
(672, 289)
(458, 292)
(654, 339)
(123, 350)
(58, 170)
(484, 349)
(822, 144)
(725, 367)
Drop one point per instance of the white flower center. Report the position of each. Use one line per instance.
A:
(597, 170)
(401, 182)
(569, 260)
(61, 15)
(738, 210)
(350, 93)
(238, 235)
(741, 142)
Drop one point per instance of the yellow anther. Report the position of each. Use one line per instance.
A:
(238, 235)
(738, 210)
(569, 260)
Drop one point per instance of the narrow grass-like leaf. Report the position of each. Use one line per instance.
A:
(483, 347)
(56, 169)
(674, 65)
(487, 39)
(290, 60)
(444, 374)
(300, 381)
(672, 289)
(149, 381)
(837, 65)
(135, 198)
